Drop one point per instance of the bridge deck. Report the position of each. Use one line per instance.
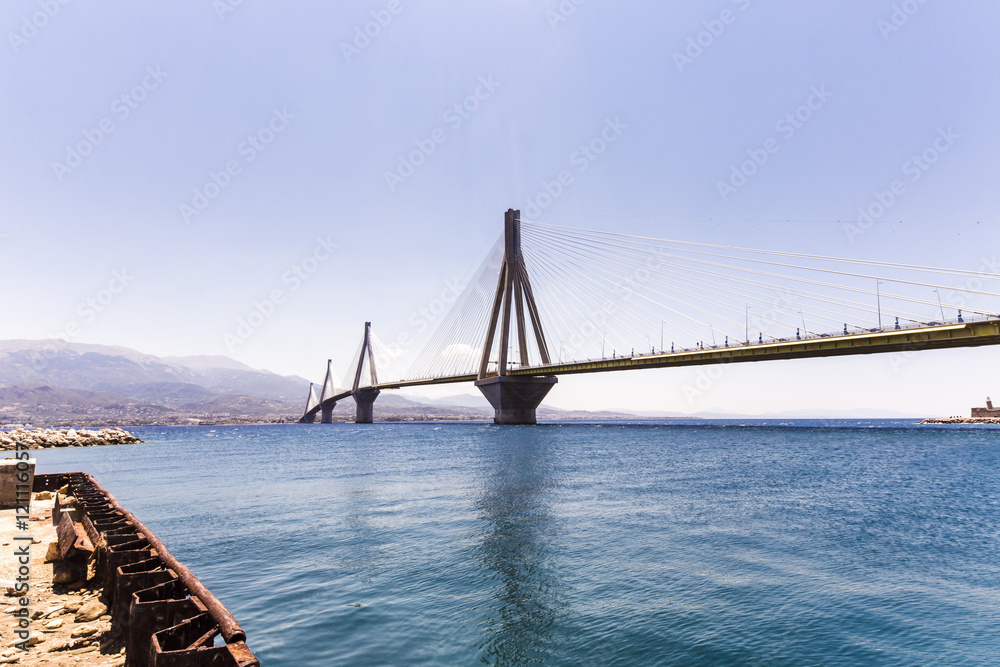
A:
(967, 334)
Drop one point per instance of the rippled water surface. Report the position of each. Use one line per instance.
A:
(715, 543)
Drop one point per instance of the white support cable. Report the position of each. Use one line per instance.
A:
(660, 315)
(761, 301)
(868, 277)
(457, 324)
(709, 300)
(587, 277)
(590, 299)
(856, 305)
(549, 303)
(833, 286)
(658, 304)
(825, 258)
(863, 307)
(574, 272)
(584, 276)
(763, 298)
(580, 295)
(681, 301)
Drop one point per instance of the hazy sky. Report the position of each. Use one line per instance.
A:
(169, 168)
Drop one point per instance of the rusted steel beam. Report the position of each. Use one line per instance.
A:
(49, 482)
(228, 626)
(161, 606)
(92, 532)
(164, 613)
(72, 538)
(130, 579)
(178, 645)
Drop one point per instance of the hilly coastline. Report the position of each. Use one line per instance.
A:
(60, 384)
(57, 383)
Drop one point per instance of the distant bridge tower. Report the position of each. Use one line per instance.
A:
(312, 402)
(365, 398)
(514, 398)
(329, 391)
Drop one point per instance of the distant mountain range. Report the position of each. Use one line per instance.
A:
(56, 382)
(125, 372)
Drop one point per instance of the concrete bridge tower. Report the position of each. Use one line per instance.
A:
(365, 397)
(514, 397)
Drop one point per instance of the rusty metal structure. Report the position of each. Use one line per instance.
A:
(165, 616)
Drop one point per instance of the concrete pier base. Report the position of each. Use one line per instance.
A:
(327, 410)
(365, 398)
(16, 479)
(515, 398)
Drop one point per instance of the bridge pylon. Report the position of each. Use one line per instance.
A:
(514, 398)
(312, 402)
(365, 397)
(327, 406)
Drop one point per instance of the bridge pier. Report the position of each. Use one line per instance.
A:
(365, 412)
(327, 410)
(515, 398)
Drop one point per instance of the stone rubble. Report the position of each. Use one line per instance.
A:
(50, 437)
(70, 624)
(963, 420)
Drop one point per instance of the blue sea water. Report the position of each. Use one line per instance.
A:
(673, 543)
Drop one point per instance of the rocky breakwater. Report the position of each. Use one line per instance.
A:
(963, 420)
(41, 438)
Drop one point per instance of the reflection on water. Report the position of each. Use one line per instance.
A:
(516, 549)
(361, 540)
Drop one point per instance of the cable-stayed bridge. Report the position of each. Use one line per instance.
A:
(550, 301)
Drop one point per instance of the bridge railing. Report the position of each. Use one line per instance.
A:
(769, 340)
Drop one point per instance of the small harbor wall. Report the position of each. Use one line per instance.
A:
(41, 438)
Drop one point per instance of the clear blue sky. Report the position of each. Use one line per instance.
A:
(115, 113)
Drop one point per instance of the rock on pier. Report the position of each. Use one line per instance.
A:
(50, 437)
